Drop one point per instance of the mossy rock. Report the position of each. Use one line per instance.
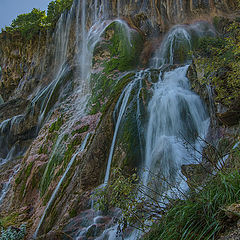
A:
(125, 47)
(117, 53)
(61, 158)
(129, 148)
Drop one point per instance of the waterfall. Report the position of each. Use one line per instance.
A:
(123, 100)
(176, 45)
(176, 115)
(45, 97)
(88, 41)
(177, 118)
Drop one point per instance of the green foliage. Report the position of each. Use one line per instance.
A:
(56, 8)
(123, 192)
(28, 24)
(118, 193)
(220, 59)
(202, 215)
(13, 233)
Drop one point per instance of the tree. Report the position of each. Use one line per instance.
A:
(28, 24)
(56, 8)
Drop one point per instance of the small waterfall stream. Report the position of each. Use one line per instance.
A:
(123, 100)
(55, 192)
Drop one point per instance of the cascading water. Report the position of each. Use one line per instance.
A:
(176, 45)
(176, 117)
(61, 41)
(88, 41)
(123, 100)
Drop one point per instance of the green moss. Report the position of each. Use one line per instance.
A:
(124, 46)
(57, 159)
(43, 149)
(9, 220)
(22, 178)
(47, 198)
(56, 125)
(81, 130)
(52, 219)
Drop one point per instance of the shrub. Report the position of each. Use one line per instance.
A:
(202, 215)
(220, 59)
(28, 24)
(56, 8)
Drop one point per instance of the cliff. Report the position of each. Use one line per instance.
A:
(76, 105)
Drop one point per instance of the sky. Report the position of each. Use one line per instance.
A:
(10, 9)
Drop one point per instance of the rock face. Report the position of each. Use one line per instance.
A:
(25, 63)
(42, 112)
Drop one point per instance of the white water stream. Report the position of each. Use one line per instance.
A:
(52, 199)
(176, 117)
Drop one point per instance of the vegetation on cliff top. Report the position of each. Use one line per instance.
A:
(30, 24)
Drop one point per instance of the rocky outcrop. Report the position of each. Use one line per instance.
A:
(26, 64)
(20, 61)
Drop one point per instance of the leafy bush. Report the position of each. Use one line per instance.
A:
(28, 24)
(13, 233)
(202, 216)
(139, 208)
(56, 8)
(220, 59)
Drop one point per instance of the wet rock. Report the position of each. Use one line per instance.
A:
(195, 73)
(230, 117)
(12, 108)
